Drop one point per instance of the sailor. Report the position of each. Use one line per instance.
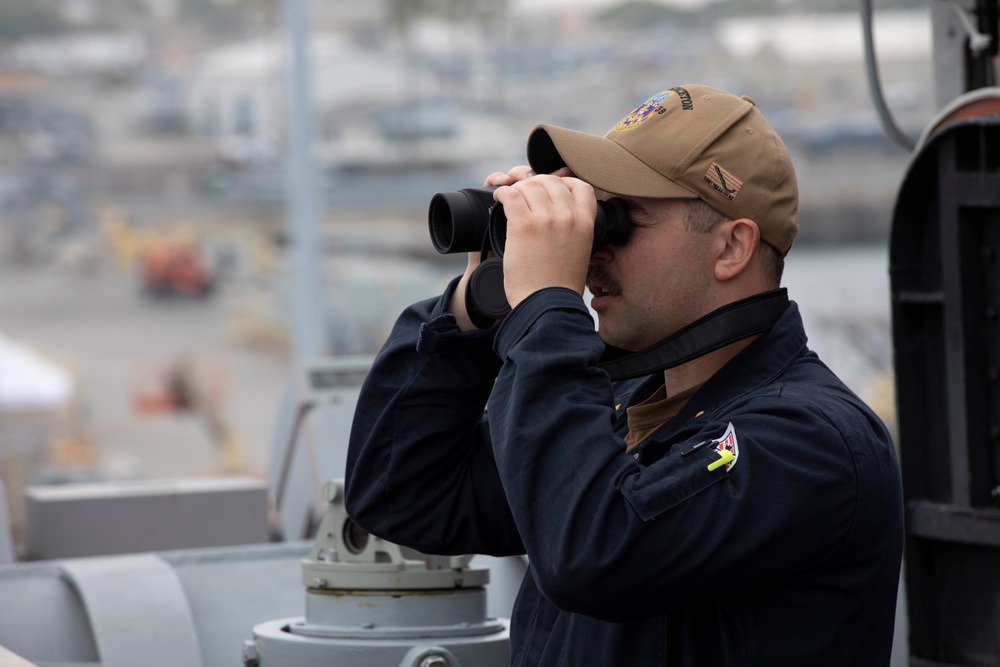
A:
(691, 484)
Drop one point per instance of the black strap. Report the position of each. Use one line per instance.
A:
(728, 324)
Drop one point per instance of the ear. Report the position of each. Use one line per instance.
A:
(738, 241)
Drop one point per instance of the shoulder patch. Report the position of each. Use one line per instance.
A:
(728, 443)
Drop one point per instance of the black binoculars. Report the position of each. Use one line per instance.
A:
(471, 221)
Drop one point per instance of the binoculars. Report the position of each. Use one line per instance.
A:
(469, 220)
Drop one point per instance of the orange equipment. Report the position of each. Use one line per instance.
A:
(174, 268)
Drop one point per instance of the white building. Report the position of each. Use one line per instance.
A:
(373, 107)
(816, 61)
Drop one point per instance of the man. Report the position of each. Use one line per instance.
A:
(692, 486)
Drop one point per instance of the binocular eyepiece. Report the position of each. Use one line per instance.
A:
(471, 221)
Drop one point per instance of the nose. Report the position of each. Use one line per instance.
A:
(602, 254)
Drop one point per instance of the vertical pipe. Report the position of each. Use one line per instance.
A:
(302, 201)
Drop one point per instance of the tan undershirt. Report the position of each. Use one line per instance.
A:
(652, 413)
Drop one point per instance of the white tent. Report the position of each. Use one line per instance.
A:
(29, 381)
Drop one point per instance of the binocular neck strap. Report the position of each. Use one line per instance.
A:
(728, 324)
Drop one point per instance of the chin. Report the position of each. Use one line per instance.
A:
(610, 340)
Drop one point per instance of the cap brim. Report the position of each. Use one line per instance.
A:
(599, 161)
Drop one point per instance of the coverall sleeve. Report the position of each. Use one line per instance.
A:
(617, 540)
(420, 468)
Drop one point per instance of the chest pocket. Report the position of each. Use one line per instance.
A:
(671, 480)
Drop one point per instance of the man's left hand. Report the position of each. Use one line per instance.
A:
(550, 234)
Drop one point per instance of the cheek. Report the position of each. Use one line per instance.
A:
(638, 258)
(646, 270)
(663, 284)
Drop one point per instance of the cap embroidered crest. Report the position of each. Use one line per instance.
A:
(729, 444)
(643, 111)
(723, 181)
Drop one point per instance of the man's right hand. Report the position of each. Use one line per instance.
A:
(456, 305)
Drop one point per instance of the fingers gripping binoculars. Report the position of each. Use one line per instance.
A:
(469, 220)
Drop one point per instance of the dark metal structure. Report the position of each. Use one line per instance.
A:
(945, 283)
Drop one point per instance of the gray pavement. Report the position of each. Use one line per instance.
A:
(98, 323)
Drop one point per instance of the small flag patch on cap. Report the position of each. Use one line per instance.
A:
(723, 181)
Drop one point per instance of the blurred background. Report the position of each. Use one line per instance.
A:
(146, 273)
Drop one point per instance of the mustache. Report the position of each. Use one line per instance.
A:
(600, 275)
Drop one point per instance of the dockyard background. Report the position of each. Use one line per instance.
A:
(130, 128)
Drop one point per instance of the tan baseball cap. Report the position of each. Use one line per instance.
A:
(688, 142)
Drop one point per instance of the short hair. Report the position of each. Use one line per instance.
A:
(702, 217)
(774, 263)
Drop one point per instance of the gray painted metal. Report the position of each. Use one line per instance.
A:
(35, 600)
(279, 648)
(81, 520)
(395, 615)
(227, 591)
(137, 609)
(372, 602)
(347, 558)
(303, 203)
(319, 399)
(949, 37)
(7, 554)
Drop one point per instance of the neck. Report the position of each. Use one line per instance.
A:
(703, 346)
(698, 371)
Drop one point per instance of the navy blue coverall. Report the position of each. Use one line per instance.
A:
(790, 556)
